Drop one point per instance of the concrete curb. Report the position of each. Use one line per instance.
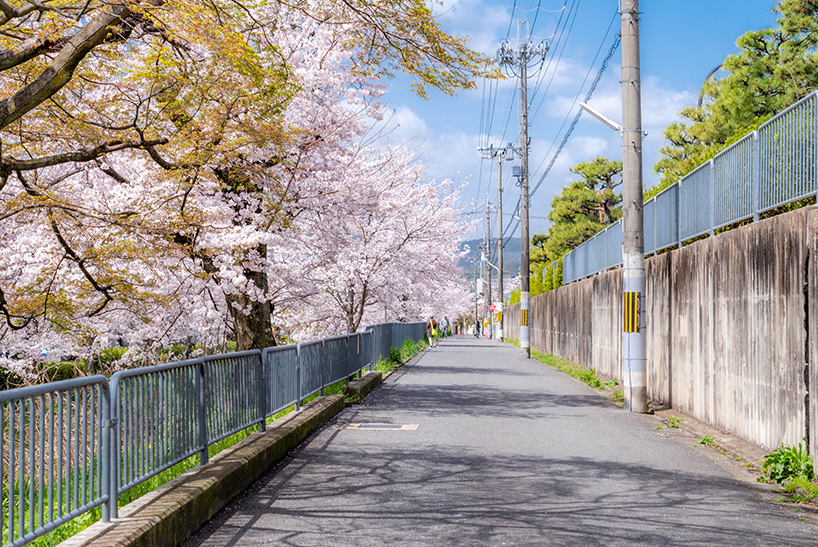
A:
(171, 513)
(363, 386)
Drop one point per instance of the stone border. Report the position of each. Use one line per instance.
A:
(177, 509)
(359, 388)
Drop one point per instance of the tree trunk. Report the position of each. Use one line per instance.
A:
(253, 330)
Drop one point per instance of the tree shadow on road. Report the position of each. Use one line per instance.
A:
(379, 495)
(479, 400)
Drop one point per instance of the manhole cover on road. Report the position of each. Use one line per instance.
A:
(390, 427)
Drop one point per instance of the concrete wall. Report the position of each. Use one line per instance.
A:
(728, 323)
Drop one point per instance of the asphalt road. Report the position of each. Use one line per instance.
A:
(507, 451)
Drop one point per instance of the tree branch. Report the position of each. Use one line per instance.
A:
(80, 262)
(83, 155)
(9, 316)
(62, 68)
(29, 49)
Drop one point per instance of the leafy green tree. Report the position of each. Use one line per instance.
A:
(548, 281)
(537, 253)
(514, 296)
(583, 208)
(774, 68)
(536, 285)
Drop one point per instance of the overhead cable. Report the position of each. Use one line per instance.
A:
(570, 130)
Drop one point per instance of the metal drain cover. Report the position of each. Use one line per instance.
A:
(383, 427)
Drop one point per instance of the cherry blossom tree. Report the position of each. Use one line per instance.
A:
(388, 251)
(233, 199)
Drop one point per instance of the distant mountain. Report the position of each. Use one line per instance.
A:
(511, 256)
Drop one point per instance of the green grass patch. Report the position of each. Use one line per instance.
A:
(802, 490)
(82, 522)
(399, 357)
(707, 440)
(587, 375)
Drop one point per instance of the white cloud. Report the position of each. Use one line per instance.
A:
(401, 125)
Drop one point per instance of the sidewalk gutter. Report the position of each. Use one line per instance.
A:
(172, 512)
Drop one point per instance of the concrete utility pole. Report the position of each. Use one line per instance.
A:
(507, 56)
(487, 256)
(476, 296)
(501, 154)
(499, 331)
(633, 245)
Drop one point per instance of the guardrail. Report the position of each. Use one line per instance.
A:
(768, 168)
(69, 447)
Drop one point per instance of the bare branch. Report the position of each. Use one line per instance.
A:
(80, 262)
(94, 33)
(79, 156)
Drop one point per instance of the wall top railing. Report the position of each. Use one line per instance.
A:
(767, 168)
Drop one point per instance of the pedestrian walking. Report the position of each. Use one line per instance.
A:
(444, 326)
(431, 332)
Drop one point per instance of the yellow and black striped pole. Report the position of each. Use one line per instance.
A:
(634, 360)
(630, 312)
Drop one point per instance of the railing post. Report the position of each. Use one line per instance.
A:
(815, 140)
(112, 452)
(298, 377)
(110, 507)
(655, 223)
(757, 176)
(201, 403)
(262, 391)
(679, 213)
(321, 365)
(711, 182)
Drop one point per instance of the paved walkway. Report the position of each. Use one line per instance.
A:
(507, 451)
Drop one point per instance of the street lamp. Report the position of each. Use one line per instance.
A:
(599, 116)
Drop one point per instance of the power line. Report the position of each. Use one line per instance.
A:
(563, 44)
(588, 96)
(568, 133)
(511, 20)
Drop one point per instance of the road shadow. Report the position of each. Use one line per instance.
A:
(387, 496)
(478, 400)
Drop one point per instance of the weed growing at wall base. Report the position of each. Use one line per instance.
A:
(577, 371)
(674, 421)
(788, 463)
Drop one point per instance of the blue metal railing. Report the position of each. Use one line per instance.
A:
(768, 168)
(71, 446)
(54, 455)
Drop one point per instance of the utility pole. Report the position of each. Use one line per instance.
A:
(633, 244)
(501, 154)
(499, 326)
(487, 256)
(476, 296)
(507, 56)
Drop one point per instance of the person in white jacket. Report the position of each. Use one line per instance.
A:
(444, 326)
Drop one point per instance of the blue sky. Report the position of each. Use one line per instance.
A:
(681, 42)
